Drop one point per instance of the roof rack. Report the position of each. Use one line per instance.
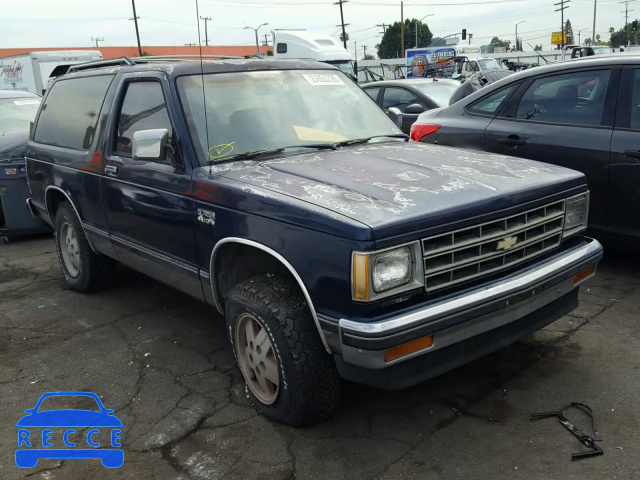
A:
(112, 62)
(147, 58)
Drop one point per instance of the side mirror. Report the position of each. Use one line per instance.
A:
(150, 144)
(395, 115)
(414, 109)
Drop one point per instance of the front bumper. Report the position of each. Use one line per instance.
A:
(472, 314)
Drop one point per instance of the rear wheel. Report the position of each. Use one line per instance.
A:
(83, 269)
(289, 376)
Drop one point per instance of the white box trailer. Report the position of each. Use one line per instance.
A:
(30, 72)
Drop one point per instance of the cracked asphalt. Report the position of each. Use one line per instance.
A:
(162, 361)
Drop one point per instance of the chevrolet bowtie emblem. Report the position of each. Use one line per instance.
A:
(507, 243)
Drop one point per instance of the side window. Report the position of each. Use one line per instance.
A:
(572, 98)
(634, 122)
(490, 105)
(143, 108)
(373, 92)
(399, 98)
(281, 48)
(70, 114)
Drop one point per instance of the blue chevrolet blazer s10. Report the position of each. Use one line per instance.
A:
(280, 194)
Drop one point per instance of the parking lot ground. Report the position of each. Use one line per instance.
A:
(163, 362)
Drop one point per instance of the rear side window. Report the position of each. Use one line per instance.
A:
(70, 113)
(373, 92)
(490, 104)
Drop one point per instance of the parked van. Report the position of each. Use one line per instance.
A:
(449, 61)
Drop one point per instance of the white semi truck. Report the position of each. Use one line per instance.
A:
(315, 46)
(30, 72)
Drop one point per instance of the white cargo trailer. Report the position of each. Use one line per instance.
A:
(30, 72)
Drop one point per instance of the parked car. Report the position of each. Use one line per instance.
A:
(582, 114)
(280, 194)
(411, 97)
(17, 110)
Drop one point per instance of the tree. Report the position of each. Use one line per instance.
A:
(390, 45)
(342, 37)
(568, 31)
(537, 48)
(496, 42)
(598, 42)
(618, 38)
(368, 56)
(588, 42)
(269, 53)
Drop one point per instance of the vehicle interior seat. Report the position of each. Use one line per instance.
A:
(260, 129)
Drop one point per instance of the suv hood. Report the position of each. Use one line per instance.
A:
(397, 188)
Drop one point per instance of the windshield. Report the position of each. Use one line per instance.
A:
(439, 92)
(345, 66)
(489, 64)
(262, 110)
(17, 113)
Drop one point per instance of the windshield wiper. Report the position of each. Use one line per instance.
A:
(367, 139)
(271, 151)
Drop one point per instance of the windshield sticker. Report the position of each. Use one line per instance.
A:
(220, 151)
(27, 102)
(323, 79)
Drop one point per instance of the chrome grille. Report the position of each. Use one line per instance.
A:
(471, 252)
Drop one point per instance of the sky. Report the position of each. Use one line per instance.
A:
(72, 23)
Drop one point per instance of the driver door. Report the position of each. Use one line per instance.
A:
(565, 119)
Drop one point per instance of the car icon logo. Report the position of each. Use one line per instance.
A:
(506, 243)
(42, 431)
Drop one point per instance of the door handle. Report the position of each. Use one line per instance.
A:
(632, 153)
(110, 170)
(511, 141)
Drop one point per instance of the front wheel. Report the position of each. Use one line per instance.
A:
(289, 376)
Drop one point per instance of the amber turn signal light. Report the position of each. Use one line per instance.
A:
(585, 274)
(408, 348)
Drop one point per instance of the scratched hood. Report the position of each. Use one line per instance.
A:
(397, 187)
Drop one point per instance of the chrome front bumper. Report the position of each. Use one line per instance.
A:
(475, 312)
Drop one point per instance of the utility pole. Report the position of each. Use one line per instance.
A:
(402, 26)
(470, 37)
(562, 8)
(626, 19)
(190, 44)
(266, 41)
(342, 24)
(135, 20)
(593, 35)
(384, 28)
(206, 32)
(364, 48)
(97, 39)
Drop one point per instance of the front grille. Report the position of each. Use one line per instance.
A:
(471, 252)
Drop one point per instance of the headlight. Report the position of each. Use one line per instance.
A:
(576, 213)
(392, 269)
(387, 272)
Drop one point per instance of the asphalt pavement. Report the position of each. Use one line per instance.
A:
(163, 362)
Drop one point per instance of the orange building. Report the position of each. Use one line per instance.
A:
(115, 52)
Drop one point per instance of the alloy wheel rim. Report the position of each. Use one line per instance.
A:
(70, 249)
(257, 358)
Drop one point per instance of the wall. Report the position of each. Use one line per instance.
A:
(114, 52)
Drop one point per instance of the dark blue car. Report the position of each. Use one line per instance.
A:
(280, 194)
(31, 448)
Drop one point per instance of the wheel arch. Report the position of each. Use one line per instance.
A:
(52, 195)
(230, 241)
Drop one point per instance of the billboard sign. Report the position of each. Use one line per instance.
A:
(556, 38)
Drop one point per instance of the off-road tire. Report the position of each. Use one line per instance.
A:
(309, 390)
(96, 271)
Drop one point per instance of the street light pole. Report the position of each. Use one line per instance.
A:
(517, 33)
(256, 32)
(430, 15)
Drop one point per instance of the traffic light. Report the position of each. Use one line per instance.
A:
(464, 32)
(634, 25)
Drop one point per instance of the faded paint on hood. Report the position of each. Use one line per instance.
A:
(396, 186)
